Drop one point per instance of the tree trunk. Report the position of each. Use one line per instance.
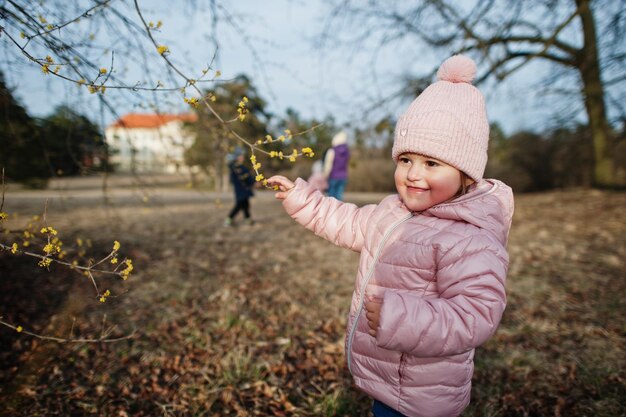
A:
(593, 91)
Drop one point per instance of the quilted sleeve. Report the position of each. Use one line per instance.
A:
(341, 223)
(471, 285)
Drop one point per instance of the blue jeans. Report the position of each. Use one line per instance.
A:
(336, 188)
(383, 410)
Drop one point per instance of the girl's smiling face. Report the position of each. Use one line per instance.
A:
(423, 182)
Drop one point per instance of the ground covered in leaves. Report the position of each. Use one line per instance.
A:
(250, 320)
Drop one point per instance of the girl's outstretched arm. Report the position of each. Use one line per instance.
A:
(341, 223)
(284, 185)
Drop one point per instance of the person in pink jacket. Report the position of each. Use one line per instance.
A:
(430, 287)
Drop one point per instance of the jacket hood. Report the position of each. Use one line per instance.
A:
(488, 206)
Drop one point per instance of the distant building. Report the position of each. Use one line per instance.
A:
(149, 142)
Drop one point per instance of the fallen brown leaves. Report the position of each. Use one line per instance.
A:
(250, 321)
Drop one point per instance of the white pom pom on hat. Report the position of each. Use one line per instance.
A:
(448, 121)
(457, 69)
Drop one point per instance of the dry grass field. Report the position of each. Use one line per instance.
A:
(249, 321)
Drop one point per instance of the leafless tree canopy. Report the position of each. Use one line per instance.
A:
(584, 39)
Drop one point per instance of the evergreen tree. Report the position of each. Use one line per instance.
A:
(21, 153)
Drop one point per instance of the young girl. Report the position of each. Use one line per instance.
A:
(431, 281)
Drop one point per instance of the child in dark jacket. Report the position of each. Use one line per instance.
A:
(430, 287)
(242, 180)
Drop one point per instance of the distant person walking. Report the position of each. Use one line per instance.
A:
(242, 180)
(336, 165)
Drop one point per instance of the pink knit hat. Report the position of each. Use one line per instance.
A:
(448, 121)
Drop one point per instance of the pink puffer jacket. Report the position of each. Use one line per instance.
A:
(441, 277)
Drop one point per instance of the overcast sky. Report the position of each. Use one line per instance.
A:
(273, 44)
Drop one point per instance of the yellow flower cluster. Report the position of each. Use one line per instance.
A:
(3, 216)
(14, 248)
(255, 164)
(126, 272)
(158, 25)
(104, 296)
(95, 88)
(49, 230)
(241, 108)
(193, 102)
(308, 152)
(162, 49)
(53, 247)
(45, 262)
(270, 139)
(116, 247)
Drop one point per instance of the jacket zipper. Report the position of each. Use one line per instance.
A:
(365, 281)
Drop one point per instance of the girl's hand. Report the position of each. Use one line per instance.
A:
(284, 185)
(373, 315)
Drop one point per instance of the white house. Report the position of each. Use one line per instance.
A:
(150, 142)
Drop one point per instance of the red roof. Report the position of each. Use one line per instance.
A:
(148, 120)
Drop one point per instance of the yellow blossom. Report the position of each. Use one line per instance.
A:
(102, 299)
(14, 248)
(129, 268)
(42, 19)
(116, 245)
(3, 215)
(49, 229)
(192, 102)
(159, 24)
(48, 248)
(162, 49)
(45, 68)
(218, 73)
(49, 59)
(288, 133)
(260, 177)
(114, 260)
(45, 262)
(19, 329)
(103, 70)
(308, 152)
